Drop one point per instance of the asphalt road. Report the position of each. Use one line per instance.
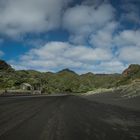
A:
(65, 118)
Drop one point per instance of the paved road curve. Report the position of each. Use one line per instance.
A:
(65, 118)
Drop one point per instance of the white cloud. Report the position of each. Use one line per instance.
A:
(17, 67)
(23, 16)
(126, 41)
(130, 54)
(82, 20)
(128, 38)
(61, 55)
(91, 22)
(104, 37)
(107, 67)
(112, 66)
(85, 16)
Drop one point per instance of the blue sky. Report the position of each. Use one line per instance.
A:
(100, 36)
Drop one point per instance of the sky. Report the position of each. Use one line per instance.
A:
(99, 36)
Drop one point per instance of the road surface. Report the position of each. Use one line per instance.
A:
(65, 118)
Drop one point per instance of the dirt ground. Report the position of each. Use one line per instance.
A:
(66, 118)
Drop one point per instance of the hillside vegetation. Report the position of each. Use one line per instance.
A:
(65, 81)
(130, 90)
(129, 75)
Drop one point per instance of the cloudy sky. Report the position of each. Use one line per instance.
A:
(100, 36)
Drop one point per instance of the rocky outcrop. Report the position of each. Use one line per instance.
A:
(132, 70)
(5, 67)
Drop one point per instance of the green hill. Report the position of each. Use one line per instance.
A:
(64, 81)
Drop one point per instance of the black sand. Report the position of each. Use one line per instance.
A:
(66, 118)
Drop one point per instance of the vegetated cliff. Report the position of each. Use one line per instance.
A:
(133, 71)
(130, 74)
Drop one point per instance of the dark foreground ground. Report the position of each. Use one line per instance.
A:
(66, 118)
